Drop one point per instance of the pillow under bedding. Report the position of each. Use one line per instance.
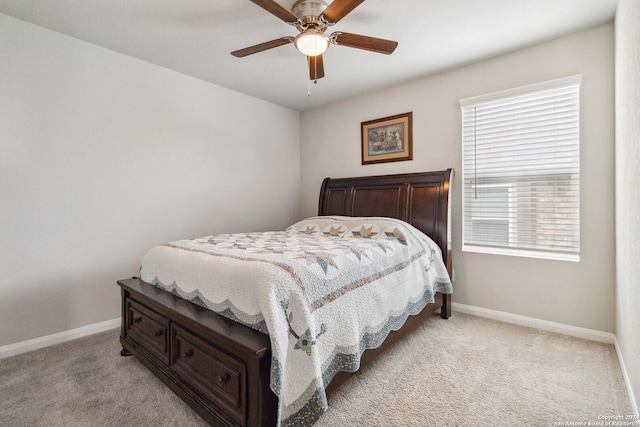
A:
(363, 227)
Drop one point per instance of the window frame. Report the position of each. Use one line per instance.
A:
(552, 85)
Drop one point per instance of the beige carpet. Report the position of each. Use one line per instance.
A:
(465, 371)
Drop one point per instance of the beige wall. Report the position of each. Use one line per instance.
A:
(628, 190)
(103, 156)
(579, 294)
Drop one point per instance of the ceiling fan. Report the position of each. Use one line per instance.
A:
(311, 18)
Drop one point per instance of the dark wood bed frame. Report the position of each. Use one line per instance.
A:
(221, 368)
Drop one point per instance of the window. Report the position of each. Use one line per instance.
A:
(521, 171)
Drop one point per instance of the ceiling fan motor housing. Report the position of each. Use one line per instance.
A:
(306, 9)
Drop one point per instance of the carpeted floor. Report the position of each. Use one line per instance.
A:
(464, 371)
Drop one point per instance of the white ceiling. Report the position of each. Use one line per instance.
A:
(195, 37)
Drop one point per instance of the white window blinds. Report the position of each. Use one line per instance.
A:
(521, 171)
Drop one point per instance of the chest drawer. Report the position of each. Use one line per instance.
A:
(216, 375)
(148, 329)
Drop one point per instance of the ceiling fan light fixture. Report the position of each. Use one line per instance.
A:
(311, 42)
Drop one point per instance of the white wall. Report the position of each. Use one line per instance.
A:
(628, 189)
(103, 156)
(579, 294)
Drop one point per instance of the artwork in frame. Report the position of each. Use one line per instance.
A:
(389, 139)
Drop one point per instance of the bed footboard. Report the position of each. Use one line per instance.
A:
(218, 367)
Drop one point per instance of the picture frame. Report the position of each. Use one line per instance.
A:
(389, 139)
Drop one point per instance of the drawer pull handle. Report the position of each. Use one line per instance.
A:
(158, 333)
(222, 379)
(187, 354)
(137, 320)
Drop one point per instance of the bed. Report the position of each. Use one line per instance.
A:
(225, 365)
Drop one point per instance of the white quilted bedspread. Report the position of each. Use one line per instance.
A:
(325, 290)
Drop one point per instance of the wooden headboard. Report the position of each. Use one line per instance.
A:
(421, 199)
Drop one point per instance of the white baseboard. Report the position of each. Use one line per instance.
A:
(627, 381)
(46, 341)
(574, 331)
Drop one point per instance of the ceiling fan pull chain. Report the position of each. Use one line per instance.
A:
(315, 70)
(308, 80)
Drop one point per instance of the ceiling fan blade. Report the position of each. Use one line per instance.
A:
(316, 67)
(339, 9)
(261, 47)
(364, 42)
(277, 10)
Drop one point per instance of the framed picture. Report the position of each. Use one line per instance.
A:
(389, 139)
